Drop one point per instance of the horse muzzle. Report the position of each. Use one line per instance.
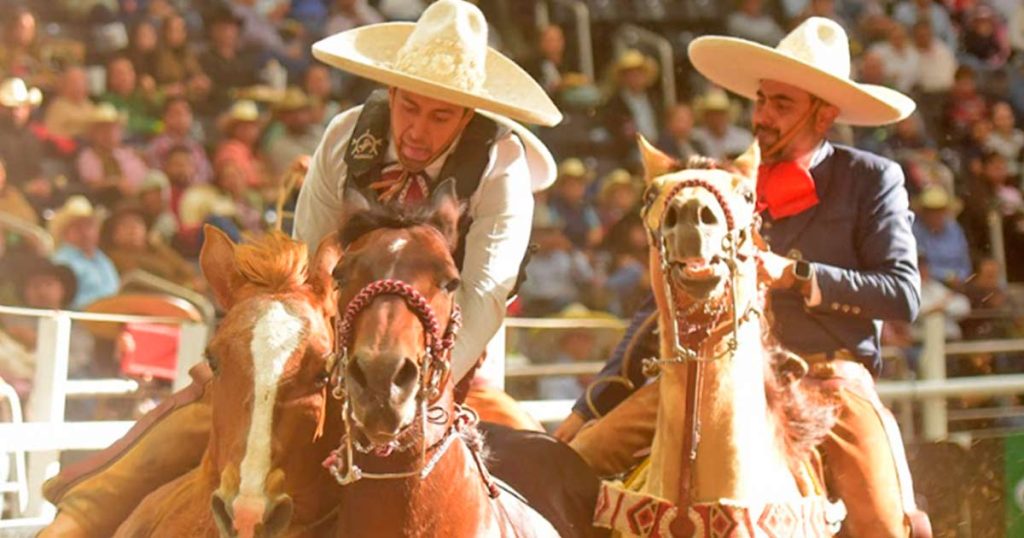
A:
(251, 516)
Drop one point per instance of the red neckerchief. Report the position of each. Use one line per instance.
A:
(785, 189)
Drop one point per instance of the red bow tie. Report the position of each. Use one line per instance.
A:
(785, 189)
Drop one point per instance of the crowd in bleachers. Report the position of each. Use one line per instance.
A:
(125, 125)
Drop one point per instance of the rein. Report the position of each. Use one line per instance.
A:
(693, 358)
(434, 374)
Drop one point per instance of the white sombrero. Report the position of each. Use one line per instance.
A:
(445, 56)
(815, 56)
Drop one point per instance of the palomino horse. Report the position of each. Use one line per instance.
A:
(733, 448)
(411, 462)
(261, 470)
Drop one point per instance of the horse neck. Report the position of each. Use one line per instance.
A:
(451, 501)
(739, 454)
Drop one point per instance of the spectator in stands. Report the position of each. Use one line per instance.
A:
(65, 116)
(557, 275)
(984, 42)
(677, 138)
(19, 55)
(180, 169)
(138, 102)
(619, 195)
(1015, 29)
(624, 256)
(155, 202)
(937, 64)
(717, 133)
(899, 57)
(76, 229)
(940, 239)
(349, 14)
(908, 12)
(128, 243)
(569, 203)
(549, 66)
(573, 345)
(630, 108)
(751, 22)
(179, 129)
(108, 167)
(142, 50)
(227, 203)
(1006, 139)
(988, 294)
(299, 135)
(991, 191)
(242, 126)
(907, 136)
(319, 86)
(227, 65)
(13, 202)
(937, 297)
(20, 150)
(964, 105)
(176, 68)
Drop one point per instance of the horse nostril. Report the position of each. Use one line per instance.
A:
(222, 514)
(407, 374)
(278, 517)
(671, 217)
(707, 216)
(355, 372)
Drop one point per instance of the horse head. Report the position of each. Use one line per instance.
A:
(398, 282)
(702, 225)
(270, 356)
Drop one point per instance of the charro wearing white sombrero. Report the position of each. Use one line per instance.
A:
(444, 115)
(841, 258)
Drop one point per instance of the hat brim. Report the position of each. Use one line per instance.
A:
(369, 51)
(739, 66)
(543, 170)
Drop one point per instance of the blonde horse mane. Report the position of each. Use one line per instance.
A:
(274, 263)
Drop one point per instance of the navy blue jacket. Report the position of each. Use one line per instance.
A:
(859, 241)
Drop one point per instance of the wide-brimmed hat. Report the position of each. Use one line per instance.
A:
(75, 208)
(14, 92)
(634, 59)
(574, 168)
(814, 57)
(937, 197)
(243, 110)
(104, 113)
(444, 55)
(616, 179)
(292, 99)
(716, 100)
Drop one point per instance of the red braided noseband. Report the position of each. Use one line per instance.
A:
(704, 184)
(437, 343)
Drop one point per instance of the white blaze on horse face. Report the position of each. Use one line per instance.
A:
(275, 338)
(397, 245)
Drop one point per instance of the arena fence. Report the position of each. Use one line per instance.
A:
(45, 433)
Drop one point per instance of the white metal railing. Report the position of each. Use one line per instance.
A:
(581, 20)
(45, 433)
(628, 35)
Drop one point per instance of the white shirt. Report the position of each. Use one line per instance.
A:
(935, 68)
(501, 209)
(901, 65)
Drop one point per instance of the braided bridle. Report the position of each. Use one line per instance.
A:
(434, 375)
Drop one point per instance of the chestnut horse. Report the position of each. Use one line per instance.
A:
(261, 474)
(735, 436)
(412, 462)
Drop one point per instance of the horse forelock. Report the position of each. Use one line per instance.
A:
(383, 217)
(274, 263)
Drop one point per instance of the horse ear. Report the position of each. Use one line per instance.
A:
(749, 162)
(656, 162)
(321, 267)
(446, 209)
(217, 260)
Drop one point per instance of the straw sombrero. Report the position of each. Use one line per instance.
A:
(14, 92)
(634, 59)
(105, 113)
(937, 197)
(75, 208)
(815, 56)
(445, 56)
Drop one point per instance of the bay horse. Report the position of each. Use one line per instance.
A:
(412, 461)
(261, 473)
(733, 451)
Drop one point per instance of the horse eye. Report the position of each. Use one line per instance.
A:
(452, 285)
(650, 195)
(322, 379)
(211, 359)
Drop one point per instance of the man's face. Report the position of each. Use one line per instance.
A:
(121, 77)
(75, 87)
(423, 127)
(717, 120)
(934, 218)
(107, 135)
(996, 170)
(680, 121)
(175, 33)
(1002, 117)
(179, 168)
(297, 121)
(225, 35)
(318, 81)
(84, 233)
(923, 36)
(635, 79)
(552, 42)
(44, 291)
(24, 30)
(152, 202)
(178, 118)
(778, 109)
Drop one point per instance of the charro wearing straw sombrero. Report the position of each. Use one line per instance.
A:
(444, 115)
(842, 258)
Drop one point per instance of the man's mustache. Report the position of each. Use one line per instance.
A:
(762, 130)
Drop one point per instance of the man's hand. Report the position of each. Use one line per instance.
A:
(776, 270)
(568, 429)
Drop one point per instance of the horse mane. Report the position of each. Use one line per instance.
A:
(380, 216)
(275, 262)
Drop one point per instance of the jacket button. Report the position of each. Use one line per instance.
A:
(856, 310)
(846, 309)
(835, 306)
